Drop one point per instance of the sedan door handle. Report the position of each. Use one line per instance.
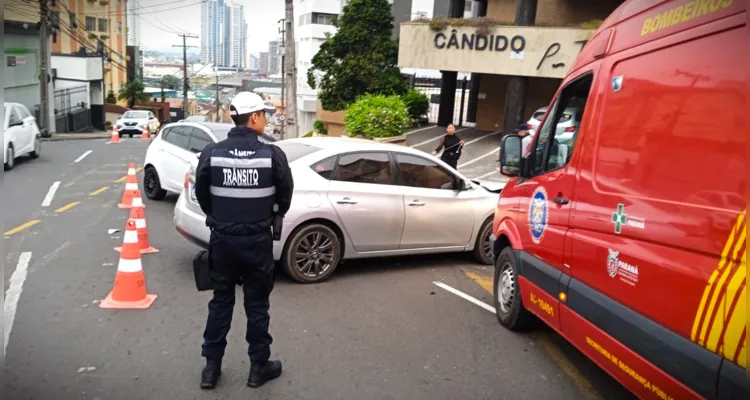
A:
(561, 200)
(346, 200)
(416, 203)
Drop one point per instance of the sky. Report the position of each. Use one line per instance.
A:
(162, 20)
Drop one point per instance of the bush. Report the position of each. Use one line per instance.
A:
(308, 134)
(320, 127)
(375, 116)
(111, 98)
(417, 103)
(107, 123)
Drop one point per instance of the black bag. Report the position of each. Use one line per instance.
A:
(202, 271)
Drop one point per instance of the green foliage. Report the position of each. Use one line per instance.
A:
(360, 58)
(591, 24)
(377, 116)
(417, 103)
(132, 92)
(320, 127)
(111, 98)
(171, 82)
(308, 134)
(107, 123)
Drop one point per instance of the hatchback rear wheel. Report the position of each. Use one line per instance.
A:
(312, 254)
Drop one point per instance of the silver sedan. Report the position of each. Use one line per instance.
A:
(357, 198)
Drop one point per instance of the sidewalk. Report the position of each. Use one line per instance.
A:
(78, 136)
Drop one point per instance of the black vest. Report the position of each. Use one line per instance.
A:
(242, 190)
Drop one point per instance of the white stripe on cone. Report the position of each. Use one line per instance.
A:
(137, 202)
(131, 186)
(131, 171)
(129, 265)
(140, 223)
(131, 237)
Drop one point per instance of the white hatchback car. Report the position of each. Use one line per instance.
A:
(357, 198)
(170, 153)
(21, 134)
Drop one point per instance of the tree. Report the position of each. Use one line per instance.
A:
(111, 98)
(360, 58)
(133, 92)
(171, 82)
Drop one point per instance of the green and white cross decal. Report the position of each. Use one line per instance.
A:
(619, 218)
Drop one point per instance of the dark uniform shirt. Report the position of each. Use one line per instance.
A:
(238, 182)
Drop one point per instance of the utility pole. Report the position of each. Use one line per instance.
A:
(218, 101)
(44, 67)
(282, 31)
(186, 83)
(290, 73)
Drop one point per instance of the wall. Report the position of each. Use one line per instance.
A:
(540, 52)
(334, 121)
(78, 68)
(491, 109)
(21, 83)
(555, 12)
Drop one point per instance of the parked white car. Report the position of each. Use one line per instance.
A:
(135, 122)
(356, 198)
(170, 153)
(21, 134)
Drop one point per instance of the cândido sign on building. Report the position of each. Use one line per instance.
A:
(504, 50)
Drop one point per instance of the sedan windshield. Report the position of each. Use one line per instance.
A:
(136, 115)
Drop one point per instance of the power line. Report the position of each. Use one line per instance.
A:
(126, 12)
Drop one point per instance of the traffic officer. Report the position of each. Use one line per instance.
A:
(241, 186)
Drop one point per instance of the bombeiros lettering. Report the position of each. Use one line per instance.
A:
(682, 13)
(240, 177)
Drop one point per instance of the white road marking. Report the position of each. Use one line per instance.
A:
(50, 194)
(421, 129)
(478, 139)
(82, 156)
(487, 174)
(436, 138)
(13, 294)
(466, 297)
(491, 152)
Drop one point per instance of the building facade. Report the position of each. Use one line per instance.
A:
(94, 27)
(223, 34)
(263, 63)
(515, 64)
(134, 23)
(274, 58)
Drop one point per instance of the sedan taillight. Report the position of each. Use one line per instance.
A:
(187, 180)
(570, 129)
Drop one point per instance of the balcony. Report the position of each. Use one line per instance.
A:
(483, 46)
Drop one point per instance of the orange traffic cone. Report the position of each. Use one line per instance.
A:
(115, 136)
(131, 183)
(146, 135)
(129, 289)
(138, 214)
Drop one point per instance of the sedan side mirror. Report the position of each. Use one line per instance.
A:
(510, 155)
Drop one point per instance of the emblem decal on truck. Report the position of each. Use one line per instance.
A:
(620, 219)
(538, 214)
(628, 273)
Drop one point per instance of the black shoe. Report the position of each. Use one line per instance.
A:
(262, 373)
(211, 373)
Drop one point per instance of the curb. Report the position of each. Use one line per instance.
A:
(62, 137)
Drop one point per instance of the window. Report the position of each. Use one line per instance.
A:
(322, 19)
(90, 24)
(135, 115)
(103, 25)
(554, 147)
(13, 117)
(179, 136)
(150, 115)
(165, 133)
(364, 168)
(325, 168)
(73, 20)
(295, 151)
(22, 112)
(199, 140)
(420, 172)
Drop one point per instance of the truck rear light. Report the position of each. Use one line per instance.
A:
(570, 129)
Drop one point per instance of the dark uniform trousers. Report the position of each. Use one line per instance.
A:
(248, 258)
(453, 162)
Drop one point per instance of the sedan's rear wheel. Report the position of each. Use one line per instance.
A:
(152, 184)
(312, 254)
(10, 158)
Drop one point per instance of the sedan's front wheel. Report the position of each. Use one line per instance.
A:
(312, 254)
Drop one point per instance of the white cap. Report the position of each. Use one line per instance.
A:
(248, 102)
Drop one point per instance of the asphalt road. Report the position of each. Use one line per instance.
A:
(378, 329)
